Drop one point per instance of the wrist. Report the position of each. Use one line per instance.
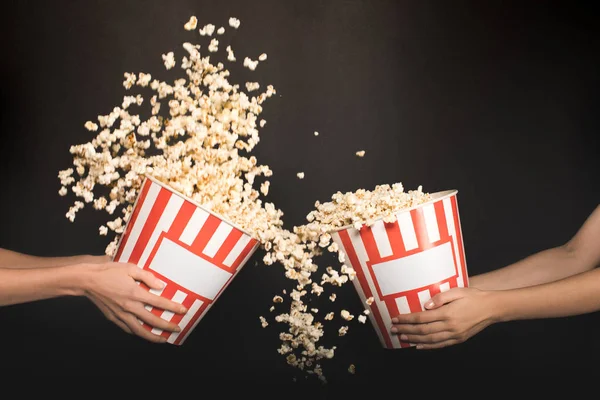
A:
(499, 312)
(79, 278)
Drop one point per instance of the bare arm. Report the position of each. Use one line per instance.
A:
(13, 259)
(112, 287)
(580, 254)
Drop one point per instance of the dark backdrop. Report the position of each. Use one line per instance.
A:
(496, 99)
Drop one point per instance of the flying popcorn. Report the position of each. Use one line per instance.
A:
(198, 139)
(360, 153)
(191, 24)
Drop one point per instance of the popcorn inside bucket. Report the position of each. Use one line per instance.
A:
(403, 260)
(194, 252)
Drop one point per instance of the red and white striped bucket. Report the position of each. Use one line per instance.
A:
(404, 263)
(195, 252)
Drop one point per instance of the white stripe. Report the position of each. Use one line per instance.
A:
(164, 223)
(157, 292)
(237, 250)
(140, 220)
(424, 295)
(402, 304)
(361, 253)
(407, 230)
(186, 319)
(217, 239)
(381, 239)
(452, 231)
(195, 323)
(167, 315)
(431, 224)
(336, 238)
(193, 226)
(445, 287)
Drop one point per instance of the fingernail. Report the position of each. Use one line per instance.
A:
(429, 304)
(177, 328)
(162, 339)
(183, 310)
(403, 337)
(394, 320)
(419, 346)
(163, 284)
(394, 329)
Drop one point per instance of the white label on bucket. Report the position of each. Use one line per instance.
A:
(444, 287)
(193, 226)
(415, 271)
(407, 230)
(402, 304)
(188, 269)
(217, 239)
(424, 295)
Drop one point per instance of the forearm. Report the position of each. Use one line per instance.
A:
(13, 259)
(578, 294)
(543, 267)
(31, 284)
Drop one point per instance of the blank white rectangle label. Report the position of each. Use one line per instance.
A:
(188, 269)
(415, 271)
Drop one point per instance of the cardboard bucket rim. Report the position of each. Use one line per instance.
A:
(436, 196)
(170, 189)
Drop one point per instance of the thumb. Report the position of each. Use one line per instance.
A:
(146, 277)
(443, 298)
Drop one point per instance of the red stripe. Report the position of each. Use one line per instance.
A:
(167, 293)
(440, 216)
(459, 240)
(190, 323)
(181, 220)
(418, 220)
(366, 234)
(207, 231)
(227, 246)
(249, 247)
(414, 304)
(453, 282)
(132, 219)
(351, 253)
(434, 289)
(157, 209)
(176, 319)
(396, 241)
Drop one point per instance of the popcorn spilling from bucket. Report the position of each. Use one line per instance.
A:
(197, 141)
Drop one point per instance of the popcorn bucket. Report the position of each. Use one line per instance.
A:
(193, 251)
(403, 264)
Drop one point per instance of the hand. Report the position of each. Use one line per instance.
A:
(112, 288)
(450, 318)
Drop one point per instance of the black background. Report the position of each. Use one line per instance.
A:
(496, 99)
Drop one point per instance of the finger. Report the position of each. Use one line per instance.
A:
(446, 343)
(155, 321)
(145, 276)
(136, 327)
(443, 298)
(160, 302)
(420, 329)
(422, 317)
(111, 316)
(427, 339)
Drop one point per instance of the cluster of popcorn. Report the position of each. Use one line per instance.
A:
(197, 139)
